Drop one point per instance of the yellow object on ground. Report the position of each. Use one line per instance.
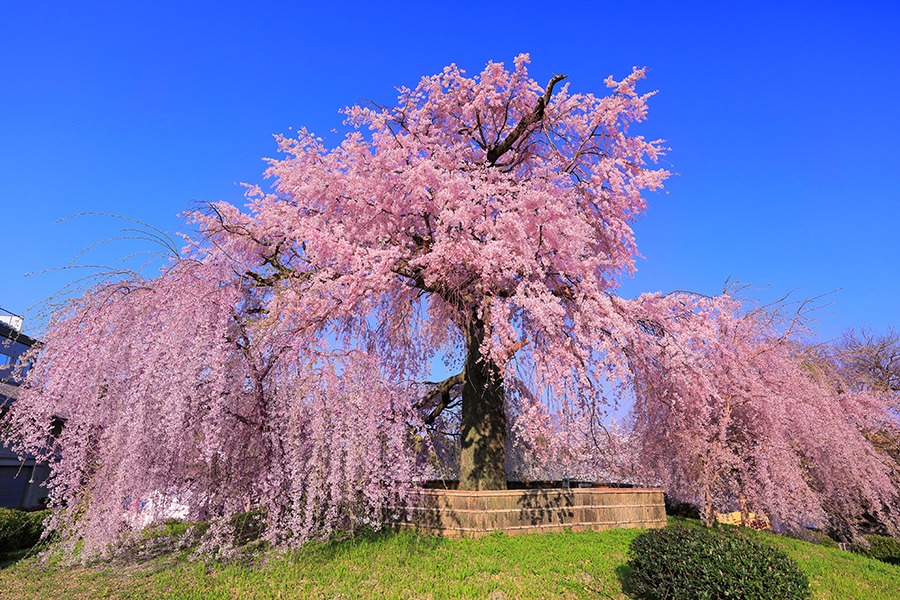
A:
(756, 521)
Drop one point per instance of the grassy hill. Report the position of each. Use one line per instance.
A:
(406, 565)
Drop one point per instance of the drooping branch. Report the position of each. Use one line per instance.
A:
(536, 114)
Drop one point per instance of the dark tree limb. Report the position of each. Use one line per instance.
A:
(446, 402)
(536, 115)
(414, 274)
(443, 389)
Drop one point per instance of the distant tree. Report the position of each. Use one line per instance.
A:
(871, 360)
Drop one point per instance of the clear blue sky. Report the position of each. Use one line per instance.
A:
(783, 119)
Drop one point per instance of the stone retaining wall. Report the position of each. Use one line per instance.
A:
(455, 513)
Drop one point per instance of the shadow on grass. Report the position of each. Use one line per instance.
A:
(9, 559)
(410, 542)
(623, 574)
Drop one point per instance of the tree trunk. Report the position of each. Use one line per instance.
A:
(709, 511)
(483, 429)
(745, 511)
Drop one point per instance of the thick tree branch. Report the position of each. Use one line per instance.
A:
(401, 267)
(536, 115)
(443, 388)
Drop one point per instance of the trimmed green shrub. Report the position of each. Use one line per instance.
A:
(704, 564)
(883, 548)
(20, 529)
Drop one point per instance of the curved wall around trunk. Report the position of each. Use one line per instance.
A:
(456, 513)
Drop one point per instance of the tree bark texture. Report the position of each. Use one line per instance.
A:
(483, 429)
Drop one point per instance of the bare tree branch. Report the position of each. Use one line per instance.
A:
(443, 388)
(536, 115)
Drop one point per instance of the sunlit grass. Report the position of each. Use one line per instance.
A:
(407, 565)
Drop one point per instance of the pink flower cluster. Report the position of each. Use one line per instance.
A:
(175, 394)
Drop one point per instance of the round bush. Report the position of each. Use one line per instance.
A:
(686, 564)
(885, 549)
(19, 529)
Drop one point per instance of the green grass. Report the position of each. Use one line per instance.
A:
(406, 565)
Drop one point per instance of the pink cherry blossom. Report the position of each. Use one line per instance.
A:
(486, 220)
